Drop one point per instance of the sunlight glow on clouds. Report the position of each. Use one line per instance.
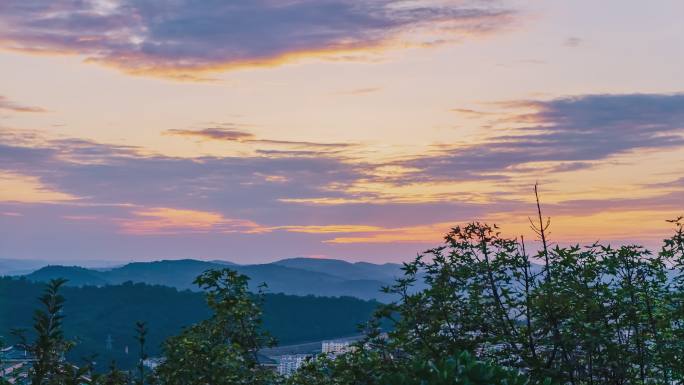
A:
(431, 233)
(329, 229)
(27, 189)
(177, 39)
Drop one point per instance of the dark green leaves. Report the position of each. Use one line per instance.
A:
(224, 348)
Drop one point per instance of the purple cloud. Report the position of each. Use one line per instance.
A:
(568, 132)
(176, 38)
(118, 174)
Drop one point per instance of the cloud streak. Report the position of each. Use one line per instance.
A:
(565, 134)
(168, 221)
(182, 37)
(11, 106)
(235, 135)
(214, 133)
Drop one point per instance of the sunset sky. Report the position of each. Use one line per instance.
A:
(256, 130)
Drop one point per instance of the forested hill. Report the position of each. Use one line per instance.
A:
(95, 313)
(300, 276)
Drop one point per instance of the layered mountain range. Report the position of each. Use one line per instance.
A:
(297, 276)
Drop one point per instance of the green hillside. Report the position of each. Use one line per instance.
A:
(95, 313)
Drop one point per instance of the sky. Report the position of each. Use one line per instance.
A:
(256, 130)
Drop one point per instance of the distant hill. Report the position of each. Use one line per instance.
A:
(77, 276)
(94, 313)
(179, 273)
(14, 266)
(358, 270)
(299, 276)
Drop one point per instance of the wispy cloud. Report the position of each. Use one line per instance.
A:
(328, 229)
(305, 144)
(179, 38)
(572, 42)
(9, 105)
(236, 135)
(360, 91)
(429, 233)
(470, 113)
(214, 133)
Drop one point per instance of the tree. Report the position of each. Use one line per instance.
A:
(462, 369)
(115, 376)
(573, 315)
(673, 253)
(140, 336)
(368, 367)
(50, 346)
(224, 348)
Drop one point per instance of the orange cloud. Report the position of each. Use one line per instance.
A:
(164, 220)
(28, 189)
(328, 229)
(429, 233)
(604, 226)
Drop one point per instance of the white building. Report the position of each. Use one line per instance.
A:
(335, 347)
(14, 364)
(288, 364)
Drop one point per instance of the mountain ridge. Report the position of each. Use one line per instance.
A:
(295, 276)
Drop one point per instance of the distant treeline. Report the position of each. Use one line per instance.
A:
(96, 315)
